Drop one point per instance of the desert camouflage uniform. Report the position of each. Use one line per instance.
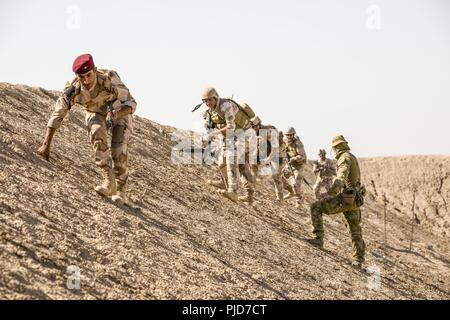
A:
(347, 183)
(325, 171)
(230, 166)
(296, 152)
(273, 155)
(108, 89)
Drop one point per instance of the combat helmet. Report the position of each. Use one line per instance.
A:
(210, 92)
(289, 130)
(337, 140)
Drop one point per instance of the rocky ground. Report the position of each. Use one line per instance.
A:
(183, 241)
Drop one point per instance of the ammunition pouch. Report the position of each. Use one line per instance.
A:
(353, 198)
(348, 199)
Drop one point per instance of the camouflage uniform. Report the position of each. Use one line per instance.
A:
(345, 189)
(273, 155)
(294, 151)
(224, 115)
(325, 171)
(108, 89)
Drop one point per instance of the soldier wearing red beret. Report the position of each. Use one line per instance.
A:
(108, 105)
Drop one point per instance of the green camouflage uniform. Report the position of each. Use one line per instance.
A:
(273, 155)
(346, 183)
(108, 89)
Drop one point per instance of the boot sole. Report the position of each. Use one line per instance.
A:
(102, 193)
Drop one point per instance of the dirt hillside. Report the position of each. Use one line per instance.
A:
(182, 240)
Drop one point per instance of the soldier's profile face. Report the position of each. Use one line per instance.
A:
(289, 137)
(210, 102)
(87, 79)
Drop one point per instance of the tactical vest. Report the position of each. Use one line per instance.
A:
(242, 117)
(291, 151)
(96, 100)
(291, 148)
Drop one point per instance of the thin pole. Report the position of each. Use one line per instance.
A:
(385, 221)
(412, 220)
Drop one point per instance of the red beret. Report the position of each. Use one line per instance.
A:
(83, 64)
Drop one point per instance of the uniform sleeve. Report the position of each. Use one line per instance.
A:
(230, 110)
(343, 171)
(122, 93)
(343, 168)
(60, 110)
(301, 157)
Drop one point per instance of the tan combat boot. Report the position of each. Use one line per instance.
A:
(291, 193)
(280, 197)
(121, 197)
(108, 187)
(316, 242)
(247, 198)
(217, 184)
(232, 195)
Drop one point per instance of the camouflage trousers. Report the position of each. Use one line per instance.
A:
(293, 182)
(351, 219)
(236, 169)
(322, 182)
(116, 156)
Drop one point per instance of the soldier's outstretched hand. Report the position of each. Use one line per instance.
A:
(44, 151)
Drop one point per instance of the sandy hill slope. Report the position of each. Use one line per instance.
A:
(182, 240)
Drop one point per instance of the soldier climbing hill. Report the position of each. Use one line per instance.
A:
(108, 105)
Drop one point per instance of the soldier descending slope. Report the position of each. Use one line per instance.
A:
(225, 117)
(346, 196)
(107, 104)
(293, 170)
(272, 154)
(325, 170)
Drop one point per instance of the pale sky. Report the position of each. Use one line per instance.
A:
(377, 72)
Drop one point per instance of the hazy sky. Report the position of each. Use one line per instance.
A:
(376, 71)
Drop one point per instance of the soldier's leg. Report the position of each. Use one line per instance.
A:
(288, 186)
(247, 182)
(96, 125)
(352, 220)
(222, 183)
(298, 175)
(254, 170)
(278, 183)
(232, 175)
(119, 150)
(316, 188)
(318, 208)
(246, 177)
(298, 178)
